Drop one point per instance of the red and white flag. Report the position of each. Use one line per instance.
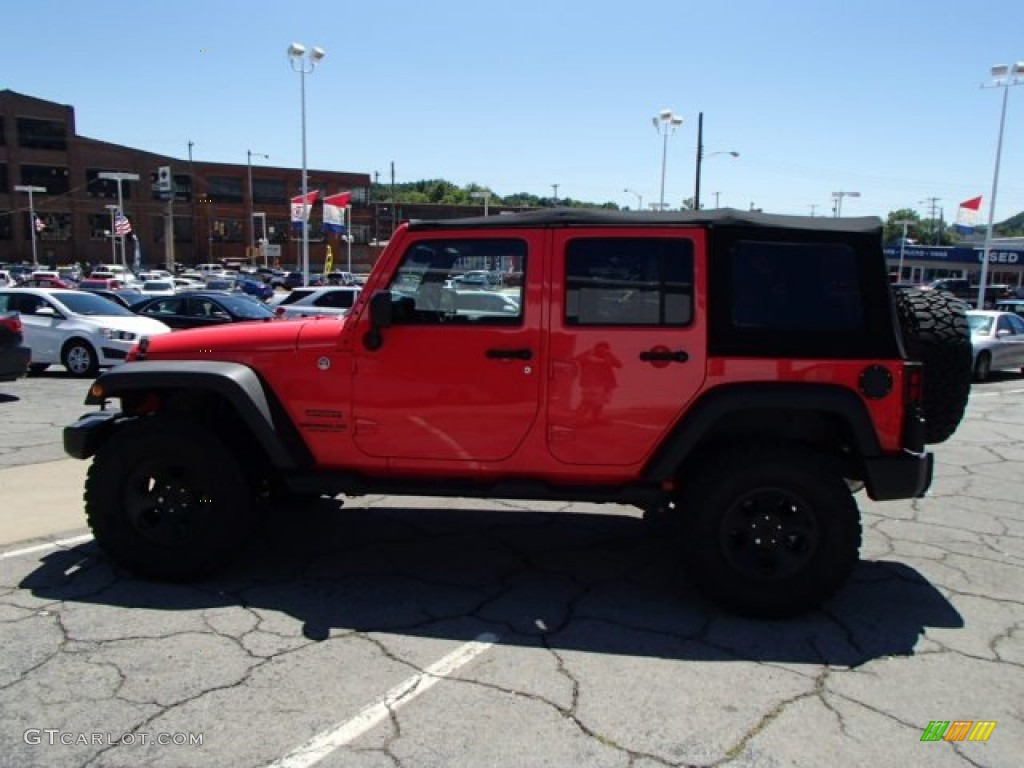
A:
(40, 226)
(966, 215)
(301, 207)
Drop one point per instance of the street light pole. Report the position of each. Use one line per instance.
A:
(31, 216)
(665, 122)
(639, 199)
(119, 177)
(298, 59)
(249, 155)
(838, 197)
(903, 243)
(1003, 76)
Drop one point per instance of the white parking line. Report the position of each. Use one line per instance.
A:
(49, 545)
(321, 745)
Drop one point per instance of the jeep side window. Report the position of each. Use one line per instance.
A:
(795, 286)
(425, 291)
(629, 281)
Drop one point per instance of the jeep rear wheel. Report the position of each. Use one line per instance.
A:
(167, 500)
(769, 531)
(934, 328)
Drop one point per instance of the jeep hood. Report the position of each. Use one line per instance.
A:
(239, 341)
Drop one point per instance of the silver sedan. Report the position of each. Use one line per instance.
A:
(997, 339)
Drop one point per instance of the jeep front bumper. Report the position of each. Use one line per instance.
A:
(82, 438)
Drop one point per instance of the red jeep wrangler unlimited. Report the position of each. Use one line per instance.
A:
(739, 374)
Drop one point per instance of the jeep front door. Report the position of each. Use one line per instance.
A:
(453, 378)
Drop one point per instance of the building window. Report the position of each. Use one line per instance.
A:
(56, 227)
(227, 231)
(105, 189)
(3, 175)
(182, 229)
(269, 191)
(225, 189)
(182, 187)
(629, 281)
(53, 178)
(42, 134)
(5, 227)
(99, 226)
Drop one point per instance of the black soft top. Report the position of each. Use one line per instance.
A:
(595, 217)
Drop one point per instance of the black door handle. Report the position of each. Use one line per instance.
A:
(509, 354)
(666, 355)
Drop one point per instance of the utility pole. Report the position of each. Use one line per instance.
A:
(813, 208)
(193, 187)
(394, 203)
(932, 202)
(555, 199)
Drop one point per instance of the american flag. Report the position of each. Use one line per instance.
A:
(39, 225)
(121, 224)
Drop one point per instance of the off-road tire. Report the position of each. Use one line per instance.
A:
(168, 500)
(80, 358)
(934, 329)
(769, 531)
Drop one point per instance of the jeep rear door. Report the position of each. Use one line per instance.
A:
(451, 381)
(628, 338)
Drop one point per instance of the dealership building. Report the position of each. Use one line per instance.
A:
(218, 211)
(922, 263)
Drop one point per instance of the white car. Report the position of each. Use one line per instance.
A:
(307, 302)
(158, 288)
(76, 329)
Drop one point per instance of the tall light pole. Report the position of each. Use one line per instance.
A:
(639, 199)
(554, 188)
(1003, 76)
(903, 243)
(298, 58)
(249, 155)
(838, 197)
(483, 194)
(31, 216)
(119, 177)
(665, 122)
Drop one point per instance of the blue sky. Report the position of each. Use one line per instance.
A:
(880, 98)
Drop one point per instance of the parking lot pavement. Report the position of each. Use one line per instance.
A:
(424, 632)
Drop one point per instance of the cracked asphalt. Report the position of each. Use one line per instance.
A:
(602, 653)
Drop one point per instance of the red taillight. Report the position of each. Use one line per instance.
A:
(915, 382)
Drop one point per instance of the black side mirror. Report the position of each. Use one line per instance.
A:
(380, 318)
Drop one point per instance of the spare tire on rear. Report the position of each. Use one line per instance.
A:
(934, 328)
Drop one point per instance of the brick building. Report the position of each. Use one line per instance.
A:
(210, 210)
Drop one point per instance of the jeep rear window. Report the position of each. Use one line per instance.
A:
(795, 286)
(629, 281)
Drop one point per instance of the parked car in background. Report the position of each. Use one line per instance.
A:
(1010, 305)
(45, 282)
(76, 329)
(255, 288)
(963, 290)
(200, 309)
(126, 297)
(158, 288)
(6, 278)
(14, 356)
(218, 284)
(341, 278)
(476, 304)
(997, 339)
(307, 302)
(100, 283)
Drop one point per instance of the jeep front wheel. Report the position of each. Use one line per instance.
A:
(167, 500)
(769, 532)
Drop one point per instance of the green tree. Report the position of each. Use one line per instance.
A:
(892, 230)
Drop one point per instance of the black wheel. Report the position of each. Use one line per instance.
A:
(770, 531)
(982, 367)
(80, 358)
(37, 368)
(167, 499)
(934, 328)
